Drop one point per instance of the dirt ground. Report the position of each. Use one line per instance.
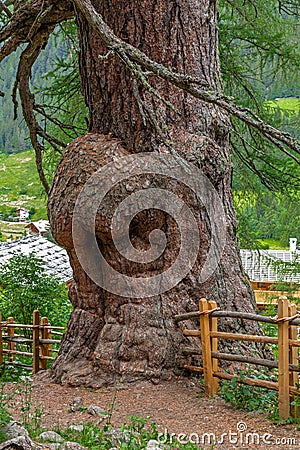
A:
(176, 406)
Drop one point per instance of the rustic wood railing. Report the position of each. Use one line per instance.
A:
(287, 364)
(37, 338)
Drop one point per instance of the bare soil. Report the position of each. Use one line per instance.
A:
(177, 406)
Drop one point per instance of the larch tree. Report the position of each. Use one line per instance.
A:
(151, 79)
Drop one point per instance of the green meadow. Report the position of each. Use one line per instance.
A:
(286, 104)
(20, 185)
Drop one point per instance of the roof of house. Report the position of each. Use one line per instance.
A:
(41, 225)
(267, 265)
(22, 209)
(263, 265)
(55, 258)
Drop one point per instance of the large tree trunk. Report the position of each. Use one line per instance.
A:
(112, 338)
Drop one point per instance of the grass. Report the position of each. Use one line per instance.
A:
(272, 244)
(132, 435)
(20, 187)
(12, 230)
(287, 104)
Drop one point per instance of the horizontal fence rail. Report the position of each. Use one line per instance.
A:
(36, 338)
(287, 341)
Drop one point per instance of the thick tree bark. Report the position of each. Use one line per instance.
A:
(112, 338)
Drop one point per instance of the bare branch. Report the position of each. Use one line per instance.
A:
(29, 17)
(27, 59)
(9, 47)
(4, 8)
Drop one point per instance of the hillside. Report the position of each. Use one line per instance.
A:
(20, 187)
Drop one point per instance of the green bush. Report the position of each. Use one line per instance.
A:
(250, 398)
(25, 286)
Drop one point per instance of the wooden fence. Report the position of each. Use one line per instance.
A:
(267, 298)
(36, 338)
(287, 364)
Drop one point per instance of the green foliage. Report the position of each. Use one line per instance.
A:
(55, 80)
(289, 104)
(21, 393)
(287, 270)
(11, 373)
(5, 399)
(18, 172)
(296, 402)
(134, 434)
(24, 287)
(259, 49)
(266, 216)
(260, 55)
(62, 97)
(250, 398)
(31, 417)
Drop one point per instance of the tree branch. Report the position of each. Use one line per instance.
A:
(27, 59)
(194, 86)
(33, 23)
(21, 27)
(4, 8)
(34, 20)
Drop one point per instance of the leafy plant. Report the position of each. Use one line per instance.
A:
(6, 400)
(250, 398)
(133, 435)
(11, 373)
(5, 415)
(296, 403)
(25, 286)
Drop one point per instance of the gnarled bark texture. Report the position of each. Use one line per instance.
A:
(111, 338)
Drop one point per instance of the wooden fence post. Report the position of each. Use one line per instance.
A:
(36, 342)
(1, 342)
(283, 359)
(11, 344)
(206, 348)
(294, 376)
(45, 348)
(213, 323)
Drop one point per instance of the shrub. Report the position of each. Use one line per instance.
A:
(25, 286)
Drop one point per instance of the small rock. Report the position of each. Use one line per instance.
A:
(72, 446)
(75, 404)
(14, 429)
(78, 428)
(20, 442)
(118, 436)
(51, 436)
(95, 410)
(53, 446)
(154, 445)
